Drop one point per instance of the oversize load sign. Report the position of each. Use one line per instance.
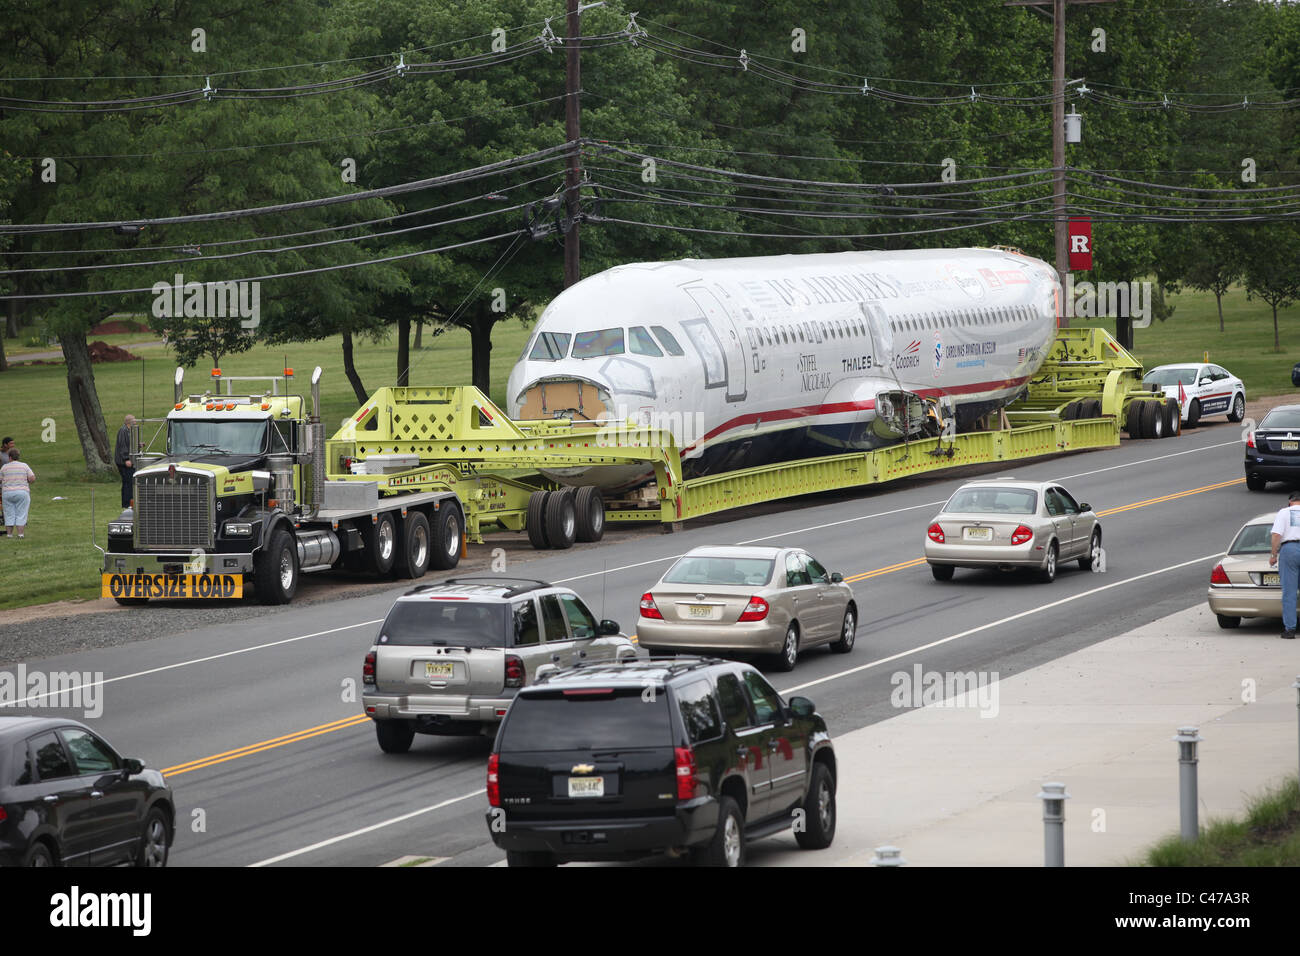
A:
(164, 586)
(1080, 245)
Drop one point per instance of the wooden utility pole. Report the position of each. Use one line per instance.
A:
(572, 132)
(1058, 132)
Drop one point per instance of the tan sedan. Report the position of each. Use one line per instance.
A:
(730, 600)
(1243, 584)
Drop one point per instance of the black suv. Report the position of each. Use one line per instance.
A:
(687, 756)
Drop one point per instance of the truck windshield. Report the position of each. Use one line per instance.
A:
(205, 436)
(445, 623)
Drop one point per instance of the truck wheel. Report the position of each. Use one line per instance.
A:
(1253, 482)
(1173, 418)
(275, 569)
(1090, 408)
(394, 736)
(561, 520)
(727, 848)
(381, 543)
(1194, 413)
(1153, 425)
(536, 520)
(1070, 412)
(1133, 420)
(413, 546)
(818, 828)
(448, 531)
(590, 507)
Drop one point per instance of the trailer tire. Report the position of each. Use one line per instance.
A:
(381, 543)
(561, 520)
(535, 523)
(1091, 408)
(1133, 419)
(1070, 412)
(1152, 420)
(590, 507)
(413, 547)
(1173, 418)
(275, 569)
(448, 534)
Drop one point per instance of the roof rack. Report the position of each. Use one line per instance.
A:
(521, 585)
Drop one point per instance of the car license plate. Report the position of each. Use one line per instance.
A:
(439, 669)
(1291, 446)
(977, 534)
(701, 610)
(586, 786)
(1270, 579)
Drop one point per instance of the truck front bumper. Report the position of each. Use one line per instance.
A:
(176, 562)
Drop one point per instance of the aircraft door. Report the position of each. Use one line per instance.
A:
(882, 339)
(719, 328)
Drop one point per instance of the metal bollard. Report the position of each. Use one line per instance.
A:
(888, 856)
(1187, 738)
(1053, 796)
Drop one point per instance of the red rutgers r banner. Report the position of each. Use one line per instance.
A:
(1080, 244)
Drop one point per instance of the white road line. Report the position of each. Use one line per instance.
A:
(1190, 451)
(197, 660)
(364, 830)
(998, 623)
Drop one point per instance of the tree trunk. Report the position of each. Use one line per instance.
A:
(12, 319)
(1218, 297)
(1123, 324)
(1277, 343)
(350, 370)
(87, 415)
(480, 339)
(403, 349)
(419, 334)
(4, 364)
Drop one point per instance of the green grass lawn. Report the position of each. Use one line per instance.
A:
(57, 560)
(1268, 836)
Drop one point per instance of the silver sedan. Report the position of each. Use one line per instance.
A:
(730, 600)
(1003, 523)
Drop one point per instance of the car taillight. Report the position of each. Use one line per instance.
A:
(1250, 440)
(648, 607)
(935, 533)
(1021, 535)
(1219, 576)
(494, 781)
(687, 785)
(514, 671)
(755, 610)
(3, 816)
(368, 669)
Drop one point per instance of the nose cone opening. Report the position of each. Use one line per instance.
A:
(563, 397)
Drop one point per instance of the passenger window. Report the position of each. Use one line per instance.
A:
(816, 573)
(1054, 506)
(641, 342)
(1068, 504)
(581, 622)
(526, 629)
(51, 762)
(89, 753)
(553, 619)
(766, 703)
(795, 575)
(23, 774)
(735, 709)
(666, 340)
(699, 711)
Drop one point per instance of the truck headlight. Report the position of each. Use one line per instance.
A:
(120, 528)
(238, 529)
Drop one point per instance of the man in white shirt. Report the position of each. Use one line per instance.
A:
(1285, 555)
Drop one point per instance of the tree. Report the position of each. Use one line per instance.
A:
(1213, 264)
(1269, 254)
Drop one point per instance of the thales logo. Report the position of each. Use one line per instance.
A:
(911, 356)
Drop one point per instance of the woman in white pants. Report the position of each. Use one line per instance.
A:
(15, 479)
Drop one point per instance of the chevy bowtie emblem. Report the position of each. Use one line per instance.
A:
(582, 768)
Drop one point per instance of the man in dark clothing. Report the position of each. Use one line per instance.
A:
(122, 458)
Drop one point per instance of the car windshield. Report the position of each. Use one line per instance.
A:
(598, 343)
(1253, 539)
(1282, 418)
(705, 570)
(623, 719)
(1171, 376)
(1010, 501)
(208, 437)
(444, 622)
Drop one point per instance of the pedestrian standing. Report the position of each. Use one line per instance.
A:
(15, 478)
(1285, 556)
(122, 457)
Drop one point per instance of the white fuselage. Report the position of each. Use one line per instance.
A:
(774, 350)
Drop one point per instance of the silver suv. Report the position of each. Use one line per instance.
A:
(450, 657)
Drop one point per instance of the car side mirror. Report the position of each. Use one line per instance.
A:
(1204, 381)
(1084, 506)
(132, 766)
(609, 627)
(802, 707)
(837, 578)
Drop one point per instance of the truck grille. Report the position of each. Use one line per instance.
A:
(173, 513)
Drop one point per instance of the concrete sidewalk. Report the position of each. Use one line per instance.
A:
(953, 788)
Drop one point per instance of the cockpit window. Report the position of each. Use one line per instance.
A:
(598, 343)
(550, 347)
(667, 341)
(641, 343)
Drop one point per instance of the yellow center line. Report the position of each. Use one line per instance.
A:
(347, 722)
